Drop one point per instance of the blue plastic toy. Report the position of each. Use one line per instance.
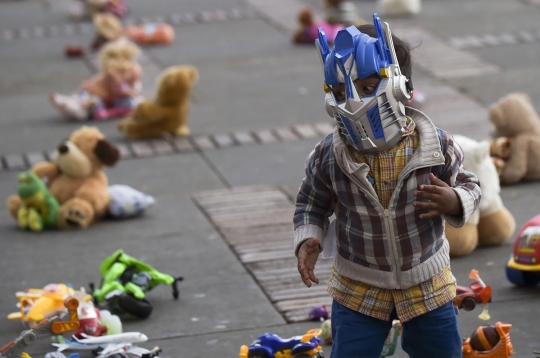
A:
(272, 346)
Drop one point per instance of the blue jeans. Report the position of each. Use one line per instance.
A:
(434, 334)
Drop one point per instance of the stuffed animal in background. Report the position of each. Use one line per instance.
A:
(109, 28)
(491, 223)
(169, 111)
(76, 178)
(399, 7)
(308, 31)
(39, 208)
(113, 92)
(86, 9)
(516, 119)
(341, 12)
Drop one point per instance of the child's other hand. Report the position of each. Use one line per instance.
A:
(442, 199)
(307, 258)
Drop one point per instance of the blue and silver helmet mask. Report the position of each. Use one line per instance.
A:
(369, 123)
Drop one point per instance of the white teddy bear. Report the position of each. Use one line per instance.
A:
(492, 223)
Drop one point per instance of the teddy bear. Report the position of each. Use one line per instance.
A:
(492, 223)
(307, 32)
(85, 9)
(76, 178)
(111, 93)
(169, 111)
(515, 119)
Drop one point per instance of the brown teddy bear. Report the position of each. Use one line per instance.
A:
(516, 119)
(76, 178)
(169, 112)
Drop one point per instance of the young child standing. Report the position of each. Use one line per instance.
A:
(391, 178)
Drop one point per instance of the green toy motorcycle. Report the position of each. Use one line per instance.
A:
(125, 281)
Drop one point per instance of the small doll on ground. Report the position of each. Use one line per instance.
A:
(86, 9)
(392, 179)
(308, 29)
(113, 92)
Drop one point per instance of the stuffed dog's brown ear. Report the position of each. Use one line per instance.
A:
(107, 153)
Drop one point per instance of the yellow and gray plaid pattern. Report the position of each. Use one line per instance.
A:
(386, 166)
(380, 303)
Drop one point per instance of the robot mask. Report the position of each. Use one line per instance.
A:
(369, 122)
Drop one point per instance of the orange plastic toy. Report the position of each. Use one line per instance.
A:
(489, 342)
(150, 34)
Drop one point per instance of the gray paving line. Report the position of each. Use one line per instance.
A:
(84, 28)
(184, 145)
(492, 40)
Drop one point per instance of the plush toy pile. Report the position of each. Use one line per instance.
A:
(76, 192)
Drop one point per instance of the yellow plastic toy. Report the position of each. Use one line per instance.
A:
(38, 304)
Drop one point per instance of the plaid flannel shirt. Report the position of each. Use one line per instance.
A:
(378, 302)
(390, 247)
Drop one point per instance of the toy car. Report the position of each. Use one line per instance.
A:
(523, 267)
(125, 283)
(38, 304)
(272, 346)
(150, 34)
(477, 292)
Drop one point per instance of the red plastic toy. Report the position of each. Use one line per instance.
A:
(477, 292)
(89, 321)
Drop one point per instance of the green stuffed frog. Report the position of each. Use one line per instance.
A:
(39, 208)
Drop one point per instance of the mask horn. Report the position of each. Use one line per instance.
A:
(322, 46)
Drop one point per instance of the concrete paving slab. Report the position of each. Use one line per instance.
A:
(269, 164)
(21, 77)
(489, 89)
(46, 132)
(16, 14)
(140, 8)
(280, 89)
(239, 39)
(441, 17)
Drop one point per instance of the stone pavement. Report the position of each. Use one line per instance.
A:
(257, 112)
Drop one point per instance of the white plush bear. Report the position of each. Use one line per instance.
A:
(492, 223)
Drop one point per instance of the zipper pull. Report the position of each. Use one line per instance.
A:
(386, 212)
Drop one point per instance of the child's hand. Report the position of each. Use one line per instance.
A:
(307, 258)
(443, 199)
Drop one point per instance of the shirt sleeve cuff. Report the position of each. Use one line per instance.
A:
(305, 232)
(467, 205)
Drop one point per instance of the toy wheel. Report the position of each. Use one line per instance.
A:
(522, 278)
(468, 304)
(138, 308)
(301, 355)
(320, 354)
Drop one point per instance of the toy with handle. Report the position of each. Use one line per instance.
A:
(485, 294)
